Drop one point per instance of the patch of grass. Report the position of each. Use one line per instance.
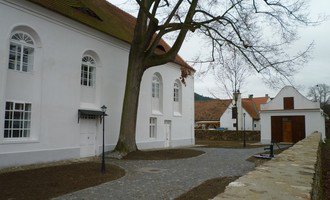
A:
(208, 189)
(53, 181)
(166, 154)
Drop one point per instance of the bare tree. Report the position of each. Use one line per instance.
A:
(320, 93)
(240, 25)
(230, 74)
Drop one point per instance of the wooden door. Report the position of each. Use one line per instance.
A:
(287, 129)
(276, 123)
(299, 131)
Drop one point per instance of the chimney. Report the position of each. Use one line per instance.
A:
(250, 96)
(266, 95)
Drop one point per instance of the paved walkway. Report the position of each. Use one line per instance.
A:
(167, 179)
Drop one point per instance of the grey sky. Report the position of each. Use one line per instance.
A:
(316, 71)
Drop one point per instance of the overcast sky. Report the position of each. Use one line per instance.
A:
(316, 71)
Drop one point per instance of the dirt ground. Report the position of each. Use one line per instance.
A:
(46, 182)
(208, 189)
(211, 188)
(53, 181)
(325, 160)
(228, 144)
(166, 154)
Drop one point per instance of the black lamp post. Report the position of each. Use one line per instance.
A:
(244, 143)
(104, 109)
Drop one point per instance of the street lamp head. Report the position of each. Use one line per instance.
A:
(104, 108)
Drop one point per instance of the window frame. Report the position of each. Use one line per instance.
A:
(24, 121)
(288, 103)
(89, 63)
(153, 127)
(176, 92)
(25, 42)
(155, 88)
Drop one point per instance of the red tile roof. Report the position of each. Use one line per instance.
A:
(252, 105)
(210, 110)
(102, 16)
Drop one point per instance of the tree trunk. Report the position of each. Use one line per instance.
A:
(127, 140)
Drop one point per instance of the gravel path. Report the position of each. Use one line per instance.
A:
(167, 179)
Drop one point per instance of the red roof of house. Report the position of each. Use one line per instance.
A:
(102, 16)
(252, 105)
(210, 110)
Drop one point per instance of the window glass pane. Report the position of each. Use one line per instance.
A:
(17, 122)
(11, 65)
(27, 124)
(27, 107)
(15, 133)
(27, 116)
(19, 106)
(25, 67)
(6, 134)
(18, 115)
(21, 52)
(9, 105)
(6, 124)
(26, 133)
(8, 115)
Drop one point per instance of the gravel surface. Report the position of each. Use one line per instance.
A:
(167, 179)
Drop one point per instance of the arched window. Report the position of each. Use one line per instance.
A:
(176, 89)
(21, 52)
(155, 86)
(177, 96)
(157, 94)
(88, 71)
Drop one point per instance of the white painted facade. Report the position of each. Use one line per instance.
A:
(314, 118)
(228, 122)
(53, 88)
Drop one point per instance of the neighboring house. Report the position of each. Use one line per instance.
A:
(250, 106)
(219, 113)
(208, 113)
(60, 62)
(290, 117)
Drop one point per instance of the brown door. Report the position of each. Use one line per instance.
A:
(276, 122)
(287, 129)
(298, 128)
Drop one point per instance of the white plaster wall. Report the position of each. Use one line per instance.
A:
(55, 82)
(313, 119)
(258, 125)
(302, 106)
(248, 121)
(300, 102)
(181, 125)
(226, 120)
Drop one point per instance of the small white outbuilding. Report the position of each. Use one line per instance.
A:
(290, 117)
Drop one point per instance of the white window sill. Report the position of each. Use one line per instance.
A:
(30, 72)
(156, 112)
(177, 114)
(19, 141)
